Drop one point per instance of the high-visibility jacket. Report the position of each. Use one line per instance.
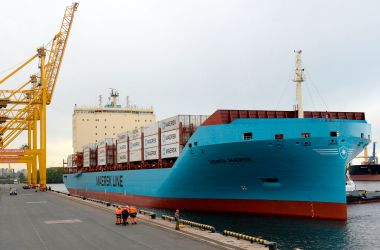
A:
(118, 211)
(132, 210)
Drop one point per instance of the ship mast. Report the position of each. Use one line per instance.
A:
(299, 78)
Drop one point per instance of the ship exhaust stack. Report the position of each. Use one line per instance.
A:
(299, 78)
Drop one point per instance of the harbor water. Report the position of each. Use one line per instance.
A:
(360, 231)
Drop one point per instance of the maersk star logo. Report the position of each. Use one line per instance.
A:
(343, 152)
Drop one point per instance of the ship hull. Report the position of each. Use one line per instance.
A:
(322, 210)
(294, 176)
(365, 172)
(365, 177)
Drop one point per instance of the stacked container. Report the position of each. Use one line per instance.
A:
(106, 152)
(89, 155)
(151, 150)
(70, 161)
(122, 148)
(135, 152)
(170, 137)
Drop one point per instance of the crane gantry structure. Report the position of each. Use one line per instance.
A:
(24, 108)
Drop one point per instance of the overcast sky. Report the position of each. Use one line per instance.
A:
(193, 57)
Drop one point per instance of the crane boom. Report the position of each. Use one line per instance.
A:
(57, 51)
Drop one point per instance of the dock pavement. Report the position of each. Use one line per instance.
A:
(46, 220)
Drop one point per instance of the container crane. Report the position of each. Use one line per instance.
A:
(21, 108)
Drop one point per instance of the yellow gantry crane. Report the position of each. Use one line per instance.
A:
(24, 108)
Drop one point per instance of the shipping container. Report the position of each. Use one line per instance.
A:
(86, 157)
(151, 141)
(101, 160)
(186, 120)
(89, 155)
(134, 134)
(151, 154)
(89, 146)
(122, 157)
(135, 155)
(122, 147)
(151, 129)
(170, 137)
(106, 141)
(102, 156)
(122, 137)
(170, 123)
(170, 151)
(135, 144)
(70, 161)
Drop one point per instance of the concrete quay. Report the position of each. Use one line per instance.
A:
(47, 220)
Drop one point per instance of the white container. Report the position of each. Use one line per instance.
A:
(151, 129)
(106, 141)
(134, 134)
(88, 147)
(135, 144)
(101, 160)
(102, 156)
(151, 141)
(170, 137)
(70, 161)
(170, 123)
(86, 157)
(122, 157)
(135, 155)
(122, 137)
(122, 147)
(186, 120)
(170, 151)
(151, 154)
(86, 163)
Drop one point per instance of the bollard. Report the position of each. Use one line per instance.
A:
(271, 245)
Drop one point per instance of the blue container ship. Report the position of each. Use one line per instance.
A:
(287, 163)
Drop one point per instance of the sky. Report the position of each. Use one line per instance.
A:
(196, 56)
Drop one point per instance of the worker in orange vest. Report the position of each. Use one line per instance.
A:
(118, 215)
(125, 215)
(133, 214)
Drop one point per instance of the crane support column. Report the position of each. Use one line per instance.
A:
(42, 158)
(29, 164)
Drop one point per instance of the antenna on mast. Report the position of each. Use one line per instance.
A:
(299, 78)
(113, 96)
(100, 101)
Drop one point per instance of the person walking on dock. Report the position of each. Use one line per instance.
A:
(118, 215)
(176, 218)
(124, 215)
(133, 214)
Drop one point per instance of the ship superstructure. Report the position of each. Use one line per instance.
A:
(92, 124)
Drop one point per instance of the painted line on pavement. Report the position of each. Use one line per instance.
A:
(62, 221)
